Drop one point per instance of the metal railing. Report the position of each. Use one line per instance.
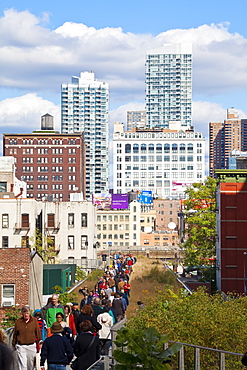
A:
(219, 362)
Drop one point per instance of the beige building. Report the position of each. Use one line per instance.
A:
(123, 229)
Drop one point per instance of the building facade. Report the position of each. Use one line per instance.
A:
(169, 85)
(21, 276)
(231, 251)
(84, 108)
(51, 164)
(224, 137)
(136, 119)
(164, 161)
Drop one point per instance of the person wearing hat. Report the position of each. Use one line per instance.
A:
(56, 350)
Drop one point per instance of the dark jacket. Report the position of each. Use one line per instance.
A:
(86, 357)
(92, 318)
(117, 305)
(56, 350)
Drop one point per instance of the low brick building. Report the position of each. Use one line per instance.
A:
(21, 279)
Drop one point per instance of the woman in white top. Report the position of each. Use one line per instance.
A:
(106, 322)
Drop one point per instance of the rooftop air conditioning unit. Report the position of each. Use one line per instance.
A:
(8, 302)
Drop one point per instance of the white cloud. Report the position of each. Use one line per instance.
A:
(23, 114)
(37, 58)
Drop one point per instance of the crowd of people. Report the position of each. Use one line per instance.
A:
(76, 329)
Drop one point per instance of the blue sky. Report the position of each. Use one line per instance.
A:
(139, 16)
(42, 44)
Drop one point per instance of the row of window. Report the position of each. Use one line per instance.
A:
(160, 158)
(158, 167)
(46, 178)
(143, 148)
(50, 220)
(42, 142)
(152, 175)
(53, 187)
(83, 242)
(46, 160)
(46, 169)
(110, 218)
(152, 183)
(71, 241)
(113, 236)
(113, 227)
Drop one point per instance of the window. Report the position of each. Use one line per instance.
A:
(84, 220)
(8, 295)
(167, 148)
(25, 220)
(5, 241)
(71, 244)
(5, 220)
(174, 148)
(3, 186)
(135, 148)
(84, 242)
(71, 220)
(50, 220)
(127, 148)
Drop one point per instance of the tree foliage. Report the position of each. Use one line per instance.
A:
(144, 348)
(199, 319)
(44, 246)
(11, 315)
(200, 223)
(64, 297)
(80, 274)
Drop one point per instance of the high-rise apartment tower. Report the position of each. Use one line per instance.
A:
(224, 137)
(169, 85)
(84, 104)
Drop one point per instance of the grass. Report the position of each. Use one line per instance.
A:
(147, 277)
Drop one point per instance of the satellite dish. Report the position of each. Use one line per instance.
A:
(148, 229)
(172, 225)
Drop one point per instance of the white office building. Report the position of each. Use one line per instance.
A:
(169, 85)
(163, 161)
(84, 108)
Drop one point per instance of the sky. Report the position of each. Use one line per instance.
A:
(43, 44)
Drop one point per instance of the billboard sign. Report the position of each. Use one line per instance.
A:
(102, 201)
(119, 201)
(145, 197)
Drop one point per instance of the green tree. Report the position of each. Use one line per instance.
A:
(11, 315)
(64, 297)
(144, 348)
(80, 274)
(200, 223)
(199, 319)
(44, 246)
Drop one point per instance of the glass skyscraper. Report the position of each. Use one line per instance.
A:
(85, 108)
(169, 85)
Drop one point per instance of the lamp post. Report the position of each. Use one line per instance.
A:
(244, 273)
(109, 254)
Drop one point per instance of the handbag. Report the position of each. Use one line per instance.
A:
(74, 363)
(244, 359)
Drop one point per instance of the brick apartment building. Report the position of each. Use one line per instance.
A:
(51, 163)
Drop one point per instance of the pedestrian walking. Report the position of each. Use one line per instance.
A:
(56, 350)
(26, 334)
